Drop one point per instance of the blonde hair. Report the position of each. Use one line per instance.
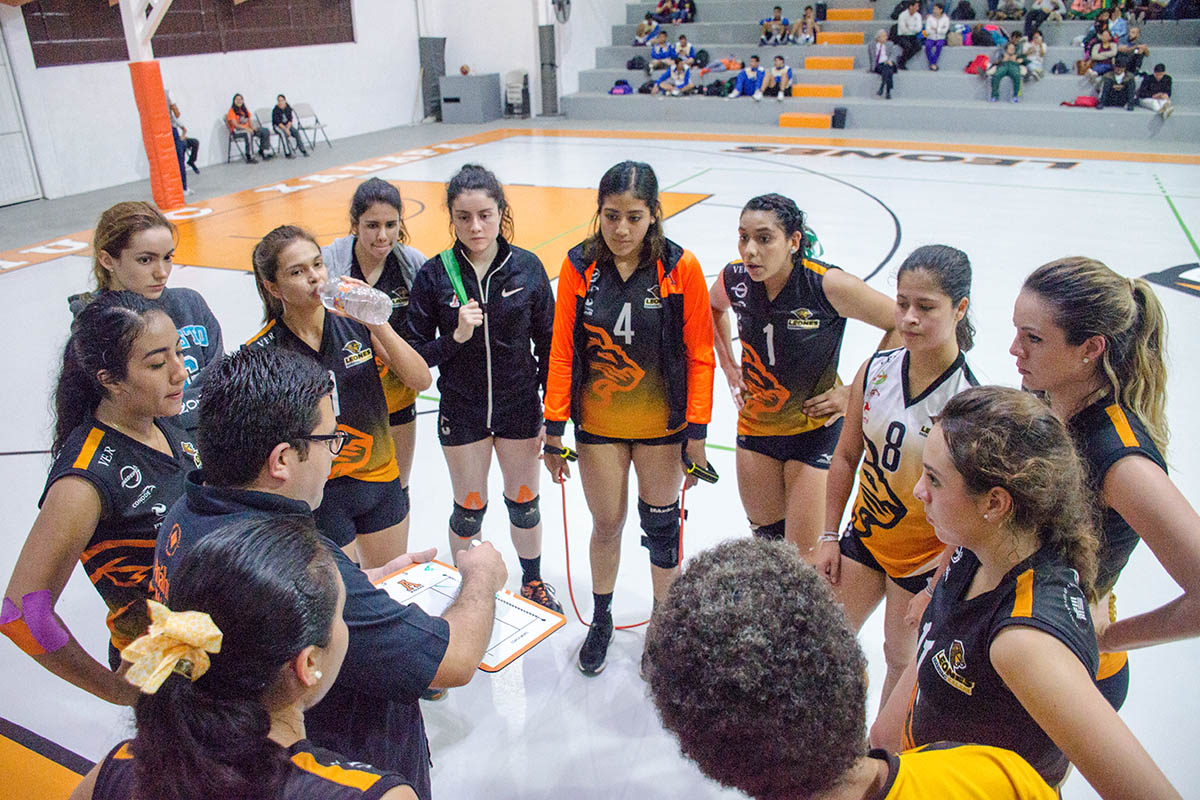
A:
(1089, 299)
(116, 227)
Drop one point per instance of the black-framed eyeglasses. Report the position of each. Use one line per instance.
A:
(334, 441)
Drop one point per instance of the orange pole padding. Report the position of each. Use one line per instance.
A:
(165, 182)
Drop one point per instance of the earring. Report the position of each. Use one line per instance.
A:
(985, 516)
(318, 674)
(1085, 359)
(793, 251)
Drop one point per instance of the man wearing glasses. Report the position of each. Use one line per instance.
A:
(267, 438)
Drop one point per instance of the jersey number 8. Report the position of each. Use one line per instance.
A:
(889, 459)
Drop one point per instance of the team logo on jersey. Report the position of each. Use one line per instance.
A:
(173, 539)
(106, 457)
(880, 507)
(190, 449)
(925, 430)
(1076, 605)
(764, 393)
(739, 290)
(618, 372)
(159, 509)
(454, 300)
(356, 452)
(954, 559)
(880, 379)
(400, 297)
(145, 495)
(802, 319)
(131, 477)
(653, 301)
(120, 573)
(356, 353)
(949, 666)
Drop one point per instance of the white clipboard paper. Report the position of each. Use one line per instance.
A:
(519, 624)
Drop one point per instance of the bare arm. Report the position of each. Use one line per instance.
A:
(852, 298)
(59, 535)
(400, 793)
(888, 729)
(399, 356)
(1137, 489)
(840, 481)
(1062, 698)
(471, 615)
(85, 788)
(718, 299)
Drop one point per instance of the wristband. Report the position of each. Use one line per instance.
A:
(829, 536)
(929, 584)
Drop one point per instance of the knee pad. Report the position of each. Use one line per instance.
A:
(466, 522)
(772, 532)
(524, 515)
(661, 524)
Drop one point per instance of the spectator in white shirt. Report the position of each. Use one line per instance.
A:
(908, 26)
(937, 25)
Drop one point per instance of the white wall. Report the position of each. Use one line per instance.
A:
(84, 126)
(590, 27)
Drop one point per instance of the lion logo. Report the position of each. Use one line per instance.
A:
(618, 372)
(355, 453)
(764, 394)
(958, 659)
(881, 508)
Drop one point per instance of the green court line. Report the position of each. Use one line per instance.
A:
(1178, 218)
(685, 180)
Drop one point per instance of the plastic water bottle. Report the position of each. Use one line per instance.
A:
(367, 305)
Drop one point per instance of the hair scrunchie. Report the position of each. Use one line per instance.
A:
(177, 641)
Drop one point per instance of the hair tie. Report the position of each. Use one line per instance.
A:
(1132, 286)
(177, 641)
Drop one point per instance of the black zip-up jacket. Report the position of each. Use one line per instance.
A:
(495, 371)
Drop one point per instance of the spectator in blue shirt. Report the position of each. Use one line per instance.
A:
(661, 53)
(647, 30)
(749, 81)
(684, 51)
(779, 80)
(774, 28)
(676, 81)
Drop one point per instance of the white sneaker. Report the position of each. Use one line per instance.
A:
(733, 94)
(757, 96)
(188, 192)
(779, 96)
(1167, 111)
(674, 93)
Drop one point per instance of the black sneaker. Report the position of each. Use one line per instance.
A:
(542, 594)
(593, 655)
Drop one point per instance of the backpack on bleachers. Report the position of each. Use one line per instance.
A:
(964, 10)
(621, 86)
(701, 58)
(999, 37)
(637, 62)
(717, 89)
(978, 65)
(646, 87)
(981, 38)
(1060, 69)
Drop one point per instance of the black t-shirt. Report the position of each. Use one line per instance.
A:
(790, 347)
(358, 399)
(136, 485)
(371, 713)
(1104, 433)
(960, 697)
(314, 774)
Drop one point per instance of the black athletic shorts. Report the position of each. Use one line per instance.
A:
(403, 416)
(523, 424)
(814, 447)
(853, 549)
(351, 507)
(583, 437)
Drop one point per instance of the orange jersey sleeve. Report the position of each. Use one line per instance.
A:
(557, 400)
(697, 339)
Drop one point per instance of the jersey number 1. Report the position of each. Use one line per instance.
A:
(770, 332)
(624, 326)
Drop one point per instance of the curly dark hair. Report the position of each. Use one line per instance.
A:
(752, 665)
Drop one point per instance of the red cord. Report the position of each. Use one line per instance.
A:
(567, 550)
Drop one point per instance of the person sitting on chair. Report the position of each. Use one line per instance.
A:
(283, 119)
(242, 126)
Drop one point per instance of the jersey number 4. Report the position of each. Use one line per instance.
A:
(624, 326)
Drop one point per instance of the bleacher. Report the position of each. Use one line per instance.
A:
(832, 74)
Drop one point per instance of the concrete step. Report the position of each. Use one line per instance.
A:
(742, 10)
(841, 37)
(1070, 126)
(1181, 62)
(818, 90)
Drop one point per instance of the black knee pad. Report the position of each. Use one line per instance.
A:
(772, 532)
(466, 522)
(524, 515)
(661, 524)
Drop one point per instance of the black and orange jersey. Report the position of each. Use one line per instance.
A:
(959, 696)
(394, 281)
(887, 518)
(962, 772)
(358, 399)
(631, 359)
(1104, 433)
(136, 485)
(790, 347)
(313, 774)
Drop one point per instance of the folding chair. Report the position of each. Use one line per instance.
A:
(263, 117)
(233, 142)
(307, 119)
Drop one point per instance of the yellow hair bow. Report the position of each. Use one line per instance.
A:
(178, 641)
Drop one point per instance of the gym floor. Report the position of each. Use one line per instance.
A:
(539, 728)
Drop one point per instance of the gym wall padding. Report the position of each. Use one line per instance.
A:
(165, 183)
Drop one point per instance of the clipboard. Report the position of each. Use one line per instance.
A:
(519, 623)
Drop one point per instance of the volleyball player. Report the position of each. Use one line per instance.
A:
(364, 502)
(791, 314)
(376, 252)
(254, 639)
(1007, 650)
(134, 248)
(889, 552)
(632, 364)
(1094, 343)
(483, 313)
(119, 464)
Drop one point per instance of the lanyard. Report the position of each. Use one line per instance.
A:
(450, 263)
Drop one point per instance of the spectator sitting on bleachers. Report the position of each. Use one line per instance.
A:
(774, 28)
(937, 25)
(684, 51)
(685, 11)
(1155, 92)
(661, 52)
(806, 28)
(647, 29)
(1043, 11)
(749, 81)
(882, 56)
(1010, 9)
(664, 11)
(1117, 25)
(779, 80)
(1086, 9)
(908, 26)
(1093, 33)
(1008, 64)
(1034, 50)
(675, 81)
(1101, 56)
(1117, 88)
(1134, 50)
